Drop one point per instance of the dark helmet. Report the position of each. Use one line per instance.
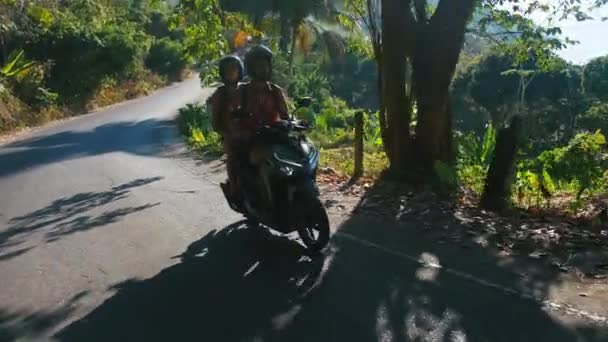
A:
(231, 60)
(254, 54)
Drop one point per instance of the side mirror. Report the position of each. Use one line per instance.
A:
(304, 102)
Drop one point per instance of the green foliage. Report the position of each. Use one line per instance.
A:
(520, 36)
(357, 45)
(194, 115)
(468, 148)
(596, 117)
(342, 160)
(113, 51)
(165, 58)
(335, 114)
(15, 65)
(473, 151)
(488, 145)
(29, 86)
(595, 78)
(445, 178)
(307, 80)
(334, 122)
(41, 15)
(76, 50)
(474, 156)
(352, 78)
(203, 35)
(158, 25)
(355, 79)
(195, 123)
(372, 131)
(488, 89)
(576, 168)
(472, 177)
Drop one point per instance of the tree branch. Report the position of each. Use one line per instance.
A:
(442, 39)
(493, 36)
(453, 12)
(397, 16)
(488, 34)
(494, 40)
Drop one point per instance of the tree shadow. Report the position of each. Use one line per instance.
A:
(554, 241)
(125, 137)
(240, 284)
(15, 325)
(435, 281)
(68, 215)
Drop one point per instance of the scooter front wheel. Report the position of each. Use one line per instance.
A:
(315, 230)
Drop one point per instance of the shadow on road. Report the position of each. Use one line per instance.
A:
(30, 326)
(141, 138)
(69, 215)
(242, 285)
(234, 284)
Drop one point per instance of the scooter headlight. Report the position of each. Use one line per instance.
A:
(305, 147)
(286, 170)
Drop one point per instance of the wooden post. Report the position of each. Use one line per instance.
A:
(358, 172)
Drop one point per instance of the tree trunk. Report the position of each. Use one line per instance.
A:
(285, 34)
(397, 103)
(358, 172)
(294, 36)
(498, 183)
(382, 110)
(437, 50)
(381, 100)
(434, 130)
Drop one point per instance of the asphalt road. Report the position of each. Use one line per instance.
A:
(109, 231)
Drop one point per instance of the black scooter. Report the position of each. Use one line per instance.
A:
(280, 191)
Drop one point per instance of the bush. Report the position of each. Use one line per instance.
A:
(575, 168)
(596, 117)
(165, 58)
(335, 113)
(307, 79)
(354, 80)
(342, 160)
(473, 157)
(195, 123)
(83, 57)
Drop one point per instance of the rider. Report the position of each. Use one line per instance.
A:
(262, 100)
(224, 101)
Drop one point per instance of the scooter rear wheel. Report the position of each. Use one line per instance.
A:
(315, 232)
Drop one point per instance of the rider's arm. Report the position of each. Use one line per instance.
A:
(281, 102)
(216, 114)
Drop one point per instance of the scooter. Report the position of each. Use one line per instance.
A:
(279, 190)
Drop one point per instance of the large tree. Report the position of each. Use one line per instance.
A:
(595, 78)
(436, 42)
(417, 49)
(426, 40)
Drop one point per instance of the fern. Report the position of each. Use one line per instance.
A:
(488, 144)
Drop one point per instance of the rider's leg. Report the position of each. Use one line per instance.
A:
(231, 165)
(257, 154)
